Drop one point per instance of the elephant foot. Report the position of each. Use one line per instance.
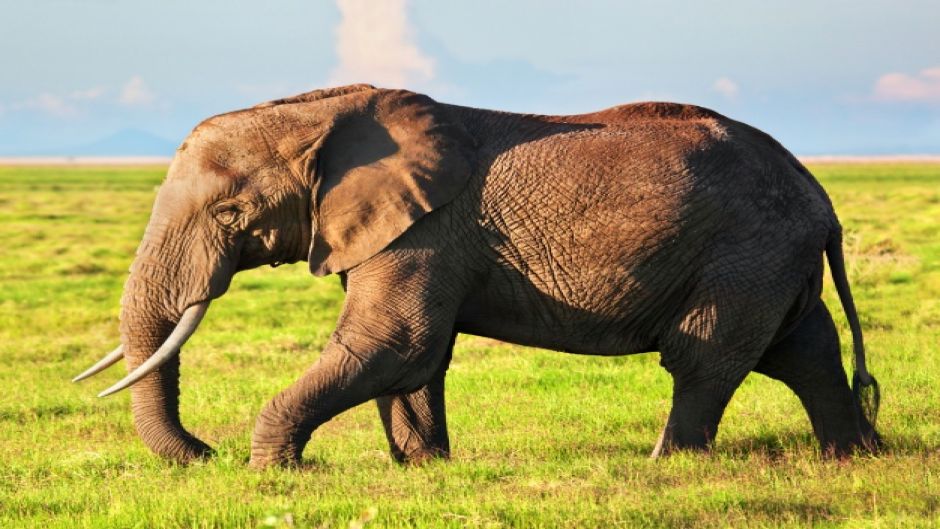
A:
(874, 443)
(421, 456)
(277, 446)
(868, 444)
(281, 456)
(693, 420)
(667, 445)
(256, 463)
(280, 437)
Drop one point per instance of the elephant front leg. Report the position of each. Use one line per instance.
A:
(345, 377)
(337, 382)
(387, 346)
(415, 423)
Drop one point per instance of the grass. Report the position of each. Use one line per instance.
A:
(540, 439)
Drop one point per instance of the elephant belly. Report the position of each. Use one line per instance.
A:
(515, 312)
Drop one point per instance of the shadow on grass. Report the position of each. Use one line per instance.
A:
(907, 445)
(734, 511)
(775, 446)
(34, 413)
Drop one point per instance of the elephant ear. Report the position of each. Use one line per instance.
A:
(391, 158)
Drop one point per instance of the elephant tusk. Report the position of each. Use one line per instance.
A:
(102, 364)
(170, 348)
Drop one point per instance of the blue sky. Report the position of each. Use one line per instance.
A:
(824, 77)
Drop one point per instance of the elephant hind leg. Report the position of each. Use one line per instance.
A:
(705, 376)
(697, 407)
(415, 423)
(808, 360)
(713, 346)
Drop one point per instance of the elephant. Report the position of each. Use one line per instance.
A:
(640, 228)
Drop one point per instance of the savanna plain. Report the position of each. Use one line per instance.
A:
(540, 439)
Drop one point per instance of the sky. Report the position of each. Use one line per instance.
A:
(823, 77)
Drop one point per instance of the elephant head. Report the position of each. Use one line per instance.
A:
(331, 176)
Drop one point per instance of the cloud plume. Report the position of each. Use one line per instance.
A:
(726, 87)
(88, 94)
(921, 87)
(375, 44)
(136, 93)
(49, 104)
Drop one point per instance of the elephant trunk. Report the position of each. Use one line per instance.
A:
(146, 324)
(155, 404)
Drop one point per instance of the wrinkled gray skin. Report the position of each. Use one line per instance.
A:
(645, 227)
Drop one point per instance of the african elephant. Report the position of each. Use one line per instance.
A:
(643, 227)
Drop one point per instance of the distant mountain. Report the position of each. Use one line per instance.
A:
(126, 142)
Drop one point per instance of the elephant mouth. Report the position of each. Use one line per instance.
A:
(187, 325)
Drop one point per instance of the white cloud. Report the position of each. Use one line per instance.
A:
(77, 102)
(136, 93)
(375, 44)
(726, 87)
(88, 94)
(59, 106)
(924, 86)
(49, 104)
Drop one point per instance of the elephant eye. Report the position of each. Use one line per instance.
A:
(226, 212)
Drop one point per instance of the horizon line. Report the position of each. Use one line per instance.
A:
(57, 161)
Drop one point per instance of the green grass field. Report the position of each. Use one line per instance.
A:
(540, 439)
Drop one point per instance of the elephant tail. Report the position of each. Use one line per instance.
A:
(864, 386)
